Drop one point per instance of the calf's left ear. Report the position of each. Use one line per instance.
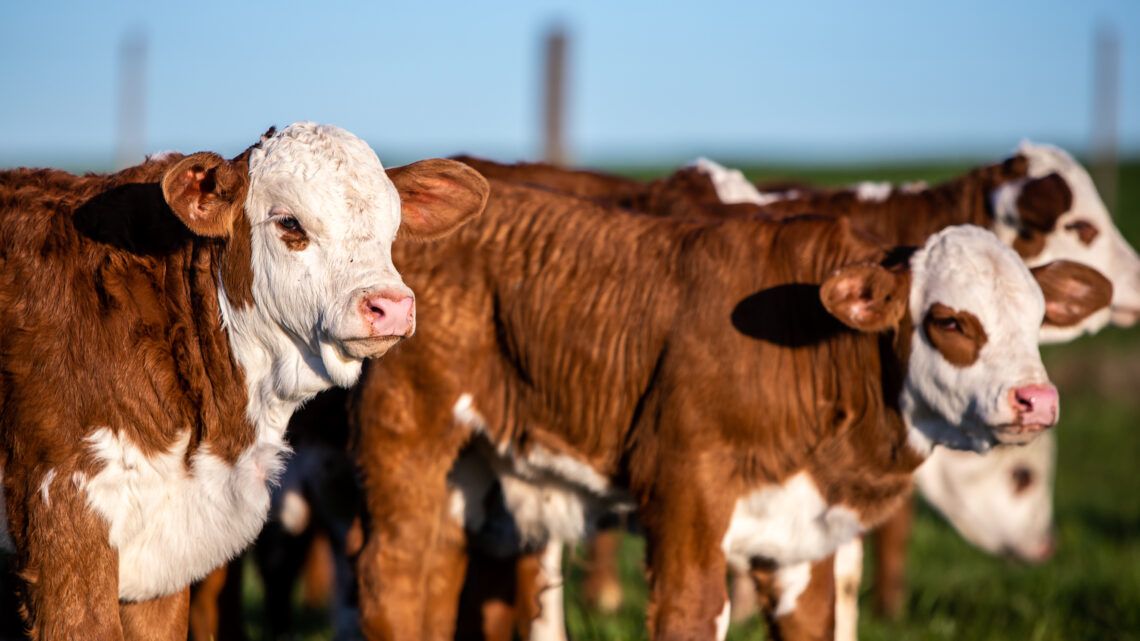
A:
(437, 196)
(866, 296)
(1073, 291)
(206, 192)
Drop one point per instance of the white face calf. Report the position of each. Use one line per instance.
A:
(1056, 213)
(974, 375)
(1000, 502)
(307, 290)
(322, 215)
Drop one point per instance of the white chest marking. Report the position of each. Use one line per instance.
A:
(788, 524)
(171, 522)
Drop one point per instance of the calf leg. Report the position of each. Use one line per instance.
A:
(687, 592)
(742, 594)
(490, 605)
(69, 570)
(848, 574)
(798, 600)
(161, 619)
(545, 619)
(602, 589)
(890, 542)
(410, 571)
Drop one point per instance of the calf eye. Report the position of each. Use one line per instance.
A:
(947, 324)
(1085, 230)
(292, 234)
(1022, 478)
(288, 223)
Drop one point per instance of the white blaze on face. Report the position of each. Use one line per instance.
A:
(333, 185)
(1001, 501)
(967, 269)
(1085, 234)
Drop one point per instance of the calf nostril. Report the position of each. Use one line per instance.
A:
(1024, 403)
(376, 309)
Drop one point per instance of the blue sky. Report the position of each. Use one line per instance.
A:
(649, 81)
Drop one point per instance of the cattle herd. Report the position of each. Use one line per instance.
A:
(755, 376)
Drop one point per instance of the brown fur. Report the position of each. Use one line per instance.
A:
(553, 289)
(436, 196)
(958, 335)
(903, 218)
(1039, 205)
(1072, 291)
(100, 277)
(1085, 230)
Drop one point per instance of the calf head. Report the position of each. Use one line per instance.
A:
(308, 216)
(969, 312)
(1054, 213)
(1001, 502)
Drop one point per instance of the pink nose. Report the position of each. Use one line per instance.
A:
(390, 312)
(1035, 404)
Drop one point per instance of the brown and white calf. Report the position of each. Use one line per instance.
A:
(1040, 201)
(755, 389)
(159, 327)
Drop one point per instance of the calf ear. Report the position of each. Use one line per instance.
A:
(1073, 291)
(866, 296)
(206, 192)
(437, 196)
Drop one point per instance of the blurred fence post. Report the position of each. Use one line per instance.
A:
(1106, 72)
(554, 144)
(130, 143)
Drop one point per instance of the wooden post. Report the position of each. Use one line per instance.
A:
(1106, 79)
(131, 144)
(554, 146)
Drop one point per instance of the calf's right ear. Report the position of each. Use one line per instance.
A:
(437, 196)
(866, 297)
(206, 192)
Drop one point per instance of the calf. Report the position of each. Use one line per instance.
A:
(158, 327)
(578, 362)
(1040, 201)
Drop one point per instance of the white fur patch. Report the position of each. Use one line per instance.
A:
(791, 581)
(549, 495)
(172, 523)
(550, 624)
(874, 192)
(979, 495)
(722, 620)
(968, 269)
(848, 574)
(731, 185)
(788, 523)
(45, 487)
(295, 512)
